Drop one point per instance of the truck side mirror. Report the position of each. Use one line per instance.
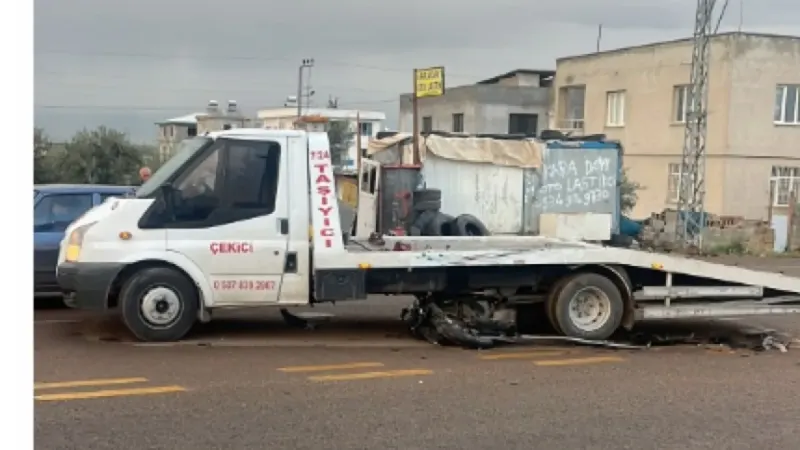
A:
(168, 196)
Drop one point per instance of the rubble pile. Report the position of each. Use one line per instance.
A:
(722, 234)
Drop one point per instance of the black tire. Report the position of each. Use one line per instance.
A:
(427, 205)
(439, 225)
(144, 282)
(427, 195)
(469, 225)
(421, 221)
(551, 302)
(605, 291)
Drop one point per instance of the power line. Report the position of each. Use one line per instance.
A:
(199, 89)
(721, 15)
(226, 57)
(176, 108)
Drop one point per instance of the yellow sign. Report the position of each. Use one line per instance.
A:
(348, 189)
(429, 82)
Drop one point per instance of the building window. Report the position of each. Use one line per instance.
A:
(427, 124)
(783, 182)
(615, 109)
(523, 124)
(365, 128)
(681, 103)
(191, 131)
(674, 183)
(787, 103)
(458, 123)
(571, 106)
(674, 179)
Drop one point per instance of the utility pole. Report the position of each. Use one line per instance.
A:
(691, 186)
(307, 63)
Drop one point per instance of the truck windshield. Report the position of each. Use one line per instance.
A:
(186, 150)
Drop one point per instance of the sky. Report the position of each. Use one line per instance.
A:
(129, 64)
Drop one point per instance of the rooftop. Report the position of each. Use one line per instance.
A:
(189, 119)
(330, 113)
(681, 41)
(513, 73)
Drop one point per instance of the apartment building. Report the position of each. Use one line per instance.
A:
(516, 102)
(172, 131)
(639, 95)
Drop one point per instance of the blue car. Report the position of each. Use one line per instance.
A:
(55, 206)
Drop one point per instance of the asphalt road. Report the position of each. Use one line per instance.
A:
(360, 383)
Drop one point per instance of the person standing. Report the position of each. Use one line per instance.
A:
(144, 175)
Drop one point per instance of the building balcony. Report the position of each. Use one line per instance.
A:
(574, 126)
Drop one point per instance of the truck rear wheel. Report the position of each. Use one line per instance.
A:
(588, 306)
(159, 304)
(551, 303)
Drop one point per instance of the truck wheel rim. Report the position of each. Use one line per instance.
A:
(589, 309)
(161, 306)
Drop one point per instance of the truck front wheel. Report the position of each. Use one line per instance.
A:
(588, 306)
(159, 304)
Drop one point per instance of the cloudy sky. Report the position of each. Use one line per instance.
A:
(128, 64)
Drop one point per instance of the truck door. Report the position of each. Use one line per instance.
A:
(367, 210)
(230, 208)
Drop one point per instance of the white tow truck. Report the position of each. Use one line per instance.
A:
(225, 224)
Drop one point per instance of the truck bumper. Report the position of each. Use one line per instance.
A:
(87, 284)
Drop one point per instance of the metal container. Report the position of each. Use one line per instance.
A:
(576, 177)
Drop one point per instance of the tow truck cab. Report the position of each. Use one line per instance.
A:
(227, 219)
(225, 223)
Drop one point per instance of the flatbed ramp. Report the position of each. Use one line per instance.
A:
(735, 282)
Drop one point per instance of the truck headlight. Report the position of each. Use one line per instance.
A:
(75, 242)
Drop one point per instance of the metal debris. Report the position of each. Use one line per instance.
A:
(769, 342)
(431, 323)
(748, 339)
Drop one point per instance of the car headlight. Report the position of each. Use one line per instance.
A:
(75, 242)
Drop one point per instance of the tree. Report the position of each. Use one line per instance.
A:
(629, 192)
(101, 156)
(341, 138)
(42, 171)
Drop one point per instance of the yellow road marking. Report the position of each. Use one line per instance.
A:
(518, 355)
(108, 393)
(361, 365)
(88, 383)
(370, 375)
(578, 361)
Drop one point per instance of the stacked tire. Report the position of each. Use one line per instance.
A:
(428, 219)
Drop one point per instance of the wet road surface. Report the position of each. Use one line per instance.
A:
(361, 383)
